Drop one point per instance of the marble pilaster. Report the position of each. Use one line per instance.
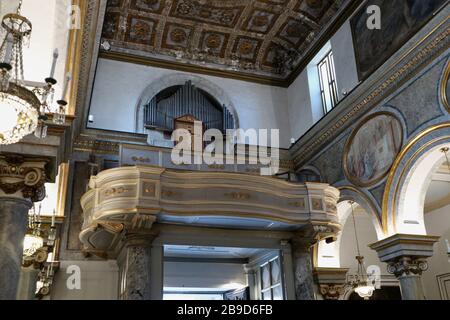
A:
(301, 245)
(13, 226)
(136, 264)
(303, 275)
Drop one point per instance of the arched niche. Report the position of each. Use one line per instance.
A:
(179, 79)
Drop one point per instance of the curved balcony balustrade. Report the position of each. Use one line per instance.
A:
(139, 196)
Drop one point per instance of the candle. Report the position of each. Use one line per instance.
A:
(55, 59)
(9, 48)
(66, 86)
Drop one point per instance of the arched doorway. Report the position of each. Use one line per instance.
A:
(432, 179)
(356, 212)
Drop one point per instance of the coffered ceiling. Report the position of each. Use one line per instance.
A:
(258, 38)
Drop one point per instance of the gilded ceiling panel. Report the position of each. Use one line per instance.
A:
(260, 37)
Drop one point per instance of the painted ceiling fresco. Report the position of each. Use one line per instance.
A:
(264, 37)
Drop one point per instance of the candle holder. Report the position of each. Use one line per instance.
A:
(51, 81)
(60, 116)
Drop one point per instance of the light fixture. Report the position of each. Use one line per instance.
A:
(360, 282)
(31, 244)
(33, 240)
(23, 111)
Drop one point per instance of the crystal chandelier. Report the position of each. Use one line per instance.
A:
(23, 111)
(33, 241)
(360, 282)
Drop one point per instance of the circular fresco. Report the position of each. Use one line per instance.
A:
(372, 149)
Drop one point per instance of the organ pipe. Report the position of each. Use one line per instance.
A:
(187, 100)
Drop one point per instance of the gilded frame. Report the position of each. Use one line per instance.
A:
(349, 143)
(444, 83)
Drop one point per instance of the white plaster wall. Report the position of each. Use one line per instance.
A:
(299, 106)
(119, 85)
(304, 100)
(99, 281)
(437, 223)
(366, 236)
(202, 275)
(50, 31)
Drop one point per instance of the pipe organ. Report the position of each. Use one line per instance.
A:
(160, 113)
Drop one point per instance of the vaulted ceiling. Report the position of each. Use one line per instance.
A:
(263, 38)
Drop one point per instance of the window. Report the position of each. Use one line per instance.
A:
(271, 287)
(327, 78)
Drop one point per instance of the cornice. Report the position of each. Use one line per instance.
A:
(178, 66)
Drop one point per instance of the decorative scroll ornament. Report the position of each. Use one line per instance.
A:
(16, 176)
(332, 291)
(407, 266)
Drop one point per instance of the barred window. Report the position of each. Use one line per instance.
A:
(328, 87)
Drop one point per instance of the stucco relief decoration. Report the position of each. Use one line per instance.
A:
(372, 149)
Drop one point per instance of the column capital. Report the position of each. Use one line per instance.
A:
(407, 266)
(406, 256)
(398, 246)
(331, 281)
(22, 177)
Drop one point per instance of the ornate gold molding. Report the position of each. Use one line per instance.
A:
(444, 85)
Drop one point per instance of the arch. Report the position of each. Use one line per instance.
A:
(411, 197)
(344, 210)
(179, 79)
(443, 88)
(410, 176)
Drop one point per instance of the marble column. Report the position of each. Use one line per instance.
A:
(288, 271)
(13, 226)
(406, 258)
(303, 274)
(21, 183)
(136, 264)
(27, 283)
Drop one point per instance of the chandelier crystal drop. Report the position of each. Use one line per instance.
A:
(23, 111)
